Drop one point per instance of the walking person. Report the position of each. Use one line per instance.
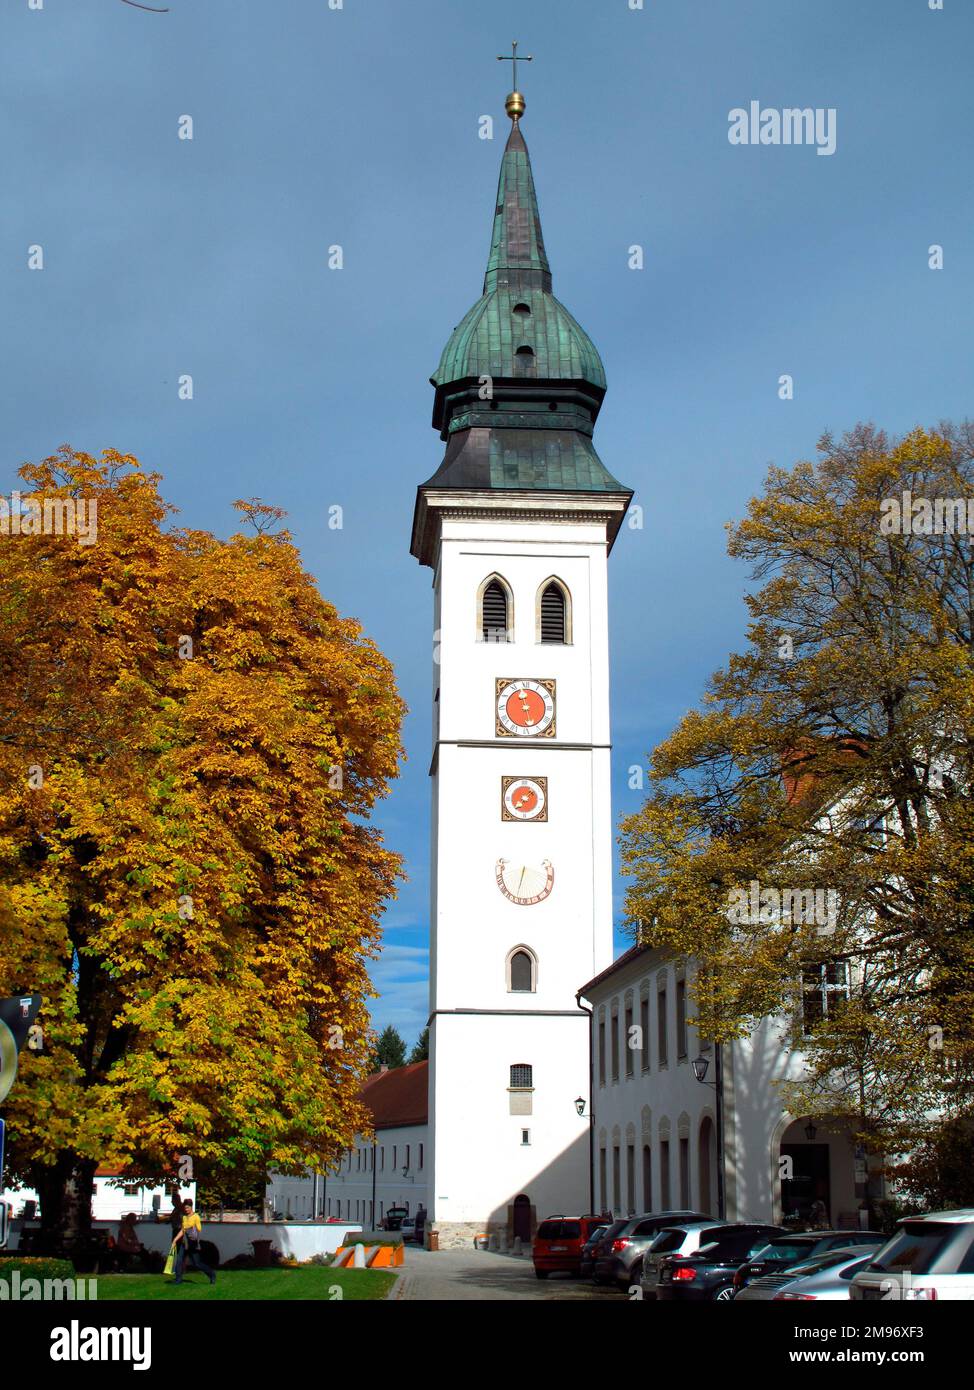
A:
(188, 1244)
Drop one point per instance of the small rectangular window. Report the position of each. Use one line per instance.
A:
(630, 1054)
(661, 1026)
(644, 1025)
(601, 1051)
(525, 1136)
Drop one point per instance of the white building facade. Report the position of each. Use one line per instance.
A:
(656, 1127)
(388, 1170)
(516, 526)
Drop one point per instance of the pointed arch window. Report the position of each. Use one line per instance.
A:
(522, 971)
(553, 614)
(495, 610)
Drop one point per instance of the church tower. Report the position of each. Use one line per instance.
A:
(516, 525)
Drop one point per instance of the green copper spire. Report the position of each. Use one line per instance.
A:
(517, 254)
(520, 383)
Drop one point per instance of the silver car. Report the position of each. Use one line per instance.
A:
(825, 1276)
(928, 1258)
(680, 1238)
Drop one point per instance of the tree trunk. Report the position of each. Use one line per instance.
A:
(64, 1190)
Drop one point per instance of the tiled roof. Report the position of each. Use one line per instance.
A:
(399, 1096)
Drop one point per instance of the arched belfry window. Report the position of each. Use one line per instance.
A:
(553, 614)
(495, 610)
(524, 364)
(522, 971)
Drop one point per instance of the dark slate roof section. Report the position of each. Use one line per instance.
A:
(535, 460)
(397, 1097)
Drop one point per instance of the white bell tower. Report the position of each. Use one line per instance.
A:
(516, 525)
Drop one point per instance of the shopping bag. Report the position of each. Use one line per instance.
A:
(169, 1266)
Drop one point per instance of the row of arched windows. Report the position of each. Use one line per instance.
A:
(495, 611)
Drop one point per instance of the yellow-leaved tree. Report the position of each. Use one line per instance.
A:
(191, 743)
(836, 756)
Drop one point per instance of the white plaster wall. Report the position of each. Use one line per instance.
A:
(232, 1238)
(670, 1096)
(108, 1202)
(351, 1185)
(480, 1164)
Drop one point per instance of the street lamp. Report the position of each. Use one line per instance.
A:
(700, 1066)
(580, 1104)
(810, 1132)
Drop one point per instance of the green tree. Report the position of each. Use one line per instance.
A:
(421, 1049)
(836, 753)
(390, 1050)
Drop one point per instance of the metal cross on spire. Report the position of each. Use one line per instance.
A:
(512, 58)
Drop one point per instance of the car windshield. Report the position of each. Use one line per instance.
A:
(668, 1239)
(785, 1250)
(915, 1248)
(559, 1230)
(820, 1262)
(736, 1247)
(612, 1231)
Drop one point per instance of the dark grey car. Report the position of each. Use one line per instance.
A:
(619, 1256)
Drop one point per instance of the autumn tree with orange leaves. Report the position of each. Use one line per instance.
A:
(191, 743)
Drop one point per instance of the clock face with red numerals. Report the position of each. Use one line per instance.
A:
(525, 708)
(525, 884)
(524, 798)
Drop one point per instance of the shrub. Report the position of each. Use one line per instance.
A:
(34, 1267)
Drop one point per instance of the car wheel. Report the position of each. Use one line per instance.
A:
(541, 1273)
(725, 1294)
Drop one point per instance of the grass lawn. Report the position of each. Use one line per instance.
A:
(256, 1285)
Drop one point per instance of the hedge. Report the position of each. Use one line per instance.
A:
(34, 1267)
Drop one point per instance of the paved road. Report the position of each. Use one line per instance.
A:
(449, 1275)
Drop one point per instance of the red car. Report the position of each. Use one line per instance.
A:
(558, 1243)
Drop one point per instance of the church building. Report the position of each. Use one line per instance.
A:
(516, 526)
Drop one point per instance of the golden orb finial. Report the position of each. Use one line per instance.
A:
(514, 105)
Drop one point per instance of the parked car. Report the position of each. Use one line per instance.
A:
(928, 1257)
(604, 1243)
(702, 1267)
(620, 1260)
(394, 1218)
(824, 1276)
(559, 1241)
(588, 1250)
(785, 1251)
(412, 1228)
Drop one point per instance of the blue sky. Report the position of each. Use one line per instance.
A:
(360, 127)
